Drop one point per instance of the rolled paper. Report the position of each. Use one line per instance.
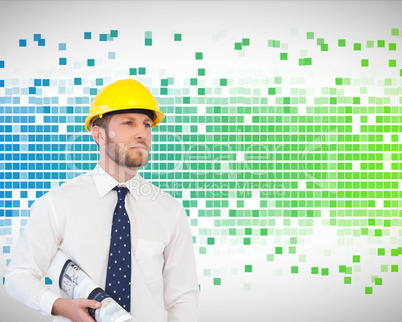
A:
(74, 282)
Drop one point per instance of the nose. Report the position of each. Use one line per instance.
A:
(141, 132)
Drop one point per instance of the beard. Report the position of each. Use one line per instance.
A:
(123, 156)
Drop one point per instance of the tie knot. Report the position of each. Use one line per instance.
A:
(121, 192)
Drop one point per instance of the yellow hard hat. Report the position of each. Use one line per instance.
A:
(123, 95)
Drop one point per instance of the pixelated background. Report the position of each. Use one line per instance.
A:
(282, 139)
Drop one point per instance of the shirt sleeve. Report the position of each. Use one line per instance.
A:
(35, 248)
(179, 274)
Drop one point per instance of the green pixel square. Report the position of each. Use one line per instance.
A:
(381, 43)
(248, 268)
(193, 81)
(365, 62)
(203, 250)
(223, 82)
(392, 46)
(356, 100)
(271, 91)
(341, 42)
(324, 47)
(392, 63)
(394, 268)
(324, 271)
(217, 281)
(378, 281)
(201, 91)
(294, 269)
(315, 270)
(381, 251)
(177, 37)
(320, 41)
(310, 35)
(141, 71)
(201, 71)
(284, 56)
(148, 41)
(211, 240)
(368, 290)
(356, 258)
(370, 43)
(114, 33)
(247, 241)
(245, 42)
(395, 32)
(278, 250)
(347, 280)
(338, 81)
(198, 56)
(357, 46)
(270, 257)
(238, 46)
(377, 232)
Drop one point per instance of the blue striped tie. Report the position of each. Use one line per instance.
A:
(118, 277)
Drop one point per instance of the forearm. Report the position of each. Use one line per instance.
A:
(29, 290)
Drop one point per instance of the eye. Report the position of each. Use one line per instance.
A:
(148, 125)
(128, 123)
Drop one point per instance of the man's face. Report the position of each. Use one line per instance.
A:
(128, 139)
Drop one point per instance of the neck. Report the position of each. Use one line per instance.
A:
(118, 172)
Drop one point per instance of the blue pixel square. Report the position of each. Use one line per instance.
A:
(77, 81)
(62, 61)
(91, 62)
(32, 90)
(1, 63)
(37, 82)
(99, 82)
(41, 42)
(141, 71)
(87, 35)
(62, 46)
(48, 281)
(1, 83)
(23, 42)
(46, 82)
(37, 37)
(93, 91)
(6, 249)
(113, 33)
(103, 37)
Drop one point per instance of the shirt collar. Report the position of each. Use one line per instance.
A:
(104, 182)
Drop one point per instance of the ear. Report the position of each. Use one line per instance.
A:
(99, 136)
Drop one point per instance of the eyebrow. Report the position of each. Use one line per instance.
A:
(132, 117)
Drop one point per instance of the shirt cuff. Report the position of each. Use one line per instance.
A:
(47, 300)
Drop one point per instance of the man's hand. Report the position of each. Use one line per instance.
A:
(75, 310)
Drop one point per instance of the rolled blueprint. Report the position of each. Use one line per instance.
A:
(76, 284)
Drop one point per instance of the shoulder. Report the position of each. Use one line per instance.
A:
(74, 188)
(159, 198)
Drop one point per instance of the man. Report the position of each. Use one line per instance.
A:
(78, 217)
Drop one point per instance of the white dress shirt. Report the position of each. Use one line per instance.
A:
(76, 218)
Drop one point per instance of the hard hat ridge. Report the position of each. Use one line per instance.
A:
(124, 95)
